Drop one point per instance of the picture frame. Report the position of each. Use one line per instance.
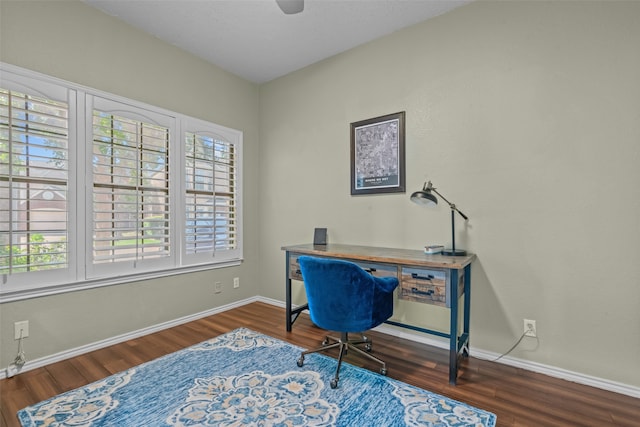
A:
(377, 155)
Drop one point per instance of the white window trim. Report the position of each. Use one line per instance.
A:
(49, 90)
(199, 126)
(125, 268)
(77, 276)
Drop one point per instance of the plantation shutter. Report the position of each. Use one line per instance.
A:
(225, 195)
(211, 195)
(34, 180)
(130, 197)
(97, 189)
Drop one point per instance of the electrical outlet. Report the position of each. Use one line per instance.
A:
(236, 282)
(21, 328)
(530, 328)
(218, 287)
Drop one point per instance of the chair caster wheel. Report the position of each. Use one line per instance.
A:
(367, 348)
(334, 383)
(383, 371)
(325, 342)
(301, 361)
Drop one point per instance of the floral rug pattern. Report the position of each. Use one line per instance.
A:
(244, 378)
(83, 406)
(257, 399)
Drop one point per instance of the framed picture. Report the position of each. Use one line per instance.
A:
(377, 155)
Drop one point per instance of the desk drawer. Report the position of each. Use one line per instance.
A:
(428, 286)
(294, 267)
(378, 270)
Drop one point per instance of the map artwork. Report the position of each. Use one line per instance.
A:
(377, 155)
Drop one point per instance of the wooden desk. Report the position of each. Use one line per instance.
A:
(423, 278)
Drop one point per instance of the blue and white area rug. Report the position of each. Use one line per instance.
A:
(244, 378)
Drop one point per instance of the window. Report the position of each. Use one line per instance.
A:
(33, 183)
(131, 197)
(157, 190)
(36, 182)
(211, 193)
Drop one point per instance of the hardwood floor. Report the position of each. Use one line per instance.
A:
(516, 396)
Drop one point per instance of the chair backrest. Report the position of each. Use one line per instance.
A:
(343, 297)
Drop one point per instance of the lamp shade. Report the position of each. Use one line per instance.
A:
(424, 197)
(291, 7)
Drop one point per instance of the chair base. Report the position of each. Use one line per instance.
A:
(344, 344)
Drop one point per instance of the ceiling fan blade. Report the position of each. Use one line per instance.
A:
(291, 7)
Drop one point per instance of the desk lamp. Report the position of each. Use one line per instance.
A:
(425, 197)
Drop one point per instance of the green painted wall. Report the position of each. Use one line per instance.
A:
(91, 48)
(527, 116)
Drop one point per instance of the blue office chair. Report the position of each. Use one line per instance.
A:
(345, 298)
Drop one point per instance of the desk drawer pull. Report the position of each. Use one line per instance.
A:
(429, 277)
(419, 292)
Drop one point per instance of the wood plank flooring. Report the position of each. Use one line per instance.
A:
(516, 396)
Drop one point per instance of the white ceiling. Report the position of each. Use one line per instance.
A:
(255, 40)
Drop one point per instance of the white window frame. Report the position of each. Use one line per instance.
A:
(81, 272)
(123, 268)
(39, 88)
(234, 137)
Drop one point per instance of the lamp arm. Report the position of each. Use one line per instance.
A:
(451, 205)
(466, 218)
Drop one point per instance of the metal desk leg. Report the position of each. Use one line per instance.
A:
(453, 329)
(467, 308)
(288, 294)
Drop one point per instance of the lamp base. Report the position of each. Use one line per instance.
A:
(454, 252)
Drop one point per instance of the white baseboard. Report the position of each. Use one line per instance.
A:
(564, 374)
(552, 371)
(528, 365)
(67, 354)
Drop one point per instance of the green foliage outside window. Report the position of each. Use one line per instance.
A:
(40, 255)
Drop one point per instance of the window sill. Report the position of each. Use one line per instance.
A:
(110, 281)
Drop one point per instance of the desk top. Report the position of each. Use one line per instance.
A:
(383, 255)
